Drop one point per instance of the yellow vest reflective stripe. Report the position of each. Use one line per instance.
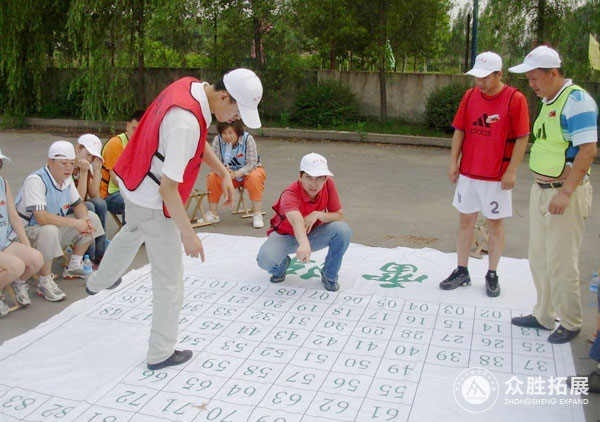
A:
(112, 188)
(548, 153)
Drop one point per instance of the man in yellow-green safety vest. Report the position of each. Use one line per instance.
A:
(565, 134)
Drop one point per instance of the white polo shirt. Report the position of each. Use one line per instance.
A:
(33, 194)
(178, 139)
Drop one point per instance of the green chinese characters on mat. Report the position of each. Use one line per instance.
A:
(395, 275)
(308, 271)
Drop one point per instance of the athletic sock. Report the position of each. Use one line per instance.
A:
(45, 278)
(462, 270)
(75, 261)
(19, 281)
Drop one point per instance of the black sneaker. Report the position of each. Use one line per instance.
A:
(332, 286)
(492, 287)
(114, 285)
(562, 335)
(527, 321)
(280, 278)
(455, 280)
(593, 381)
(177, 358)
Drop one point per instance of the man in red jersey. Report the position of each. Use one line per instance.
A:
(490, 138)
(308, 217)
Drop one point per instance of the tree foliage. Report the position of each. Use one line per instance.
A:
(29, 33)
(112, 43)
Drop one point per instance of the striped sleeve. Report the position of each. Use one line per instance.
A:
(579, 119)
(34, 194)
(217, 148)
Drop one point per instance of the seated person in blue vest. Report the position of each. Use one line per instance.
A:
(43, 203)
(308, 216)
(156, 173)
(491, 129)
(237, 151)
(18, 260)
(566, 134)
(87, 175)
(111, 151)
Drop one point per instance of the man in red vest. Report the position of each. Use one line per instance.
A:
(156, 173)
(490, 138)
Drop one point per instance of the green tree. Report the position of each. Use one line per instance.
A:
(29, 34)
(512, 27)
(108, 38)
(419, 28)
(454, 49)
(333, 27)
(574, 40)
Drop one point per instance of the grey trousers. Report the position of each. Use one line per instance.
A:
(163, 246)
(50, 239)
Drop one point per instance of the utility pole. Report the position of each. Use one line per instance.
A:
(474, 40)
(467, 33)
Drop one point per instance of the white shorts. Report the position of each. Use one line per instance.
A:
(473, 195)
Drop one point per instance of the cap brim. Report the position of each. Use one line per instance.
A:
(319, 173)
(249, 116)
(521, 68)
(479, 73)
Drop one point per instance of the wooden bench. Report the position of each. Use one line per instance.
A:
(118, 221)
(241, 207)
(197, 197)
(8, 291)
(480, 240)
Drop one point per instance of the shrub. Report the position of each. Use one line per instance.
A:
(328, 103)
(441, 106)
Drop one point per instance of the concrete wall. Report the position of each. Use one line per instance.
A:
(406, 92)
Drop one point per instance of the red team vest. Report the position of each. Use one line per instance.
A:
(134, 163)
(486, 149)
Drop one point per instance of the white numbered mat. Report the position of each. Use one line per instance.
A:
(389, 346)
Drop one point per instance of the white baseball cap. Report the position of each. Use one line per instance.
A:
(315, 165)
(92, 143)
(4, 158)
(245, 88)
(486, 63)
(62, 150)
(542, 57)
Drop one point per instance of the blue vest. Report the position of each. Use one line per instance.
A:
(58, 201)
(235, 158)
(5, 227)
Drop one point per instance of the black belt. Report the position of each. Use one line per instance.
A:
(549, 185)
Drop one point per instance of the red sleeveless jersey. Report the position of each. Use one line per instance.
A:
(135, 161)
(486, 149)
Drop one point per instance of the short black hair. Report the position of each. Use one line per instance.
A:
(560, 70)
(236, 125)
(136, 115)
(220, 86)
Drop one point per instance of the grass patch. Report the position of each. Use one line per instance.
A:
(392, 126)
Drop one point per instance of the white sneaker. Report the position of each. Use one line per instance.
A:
(257, 221)
(210, 218)
(3, 308)
(73, 273)
(22, 293)
(50, 291)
